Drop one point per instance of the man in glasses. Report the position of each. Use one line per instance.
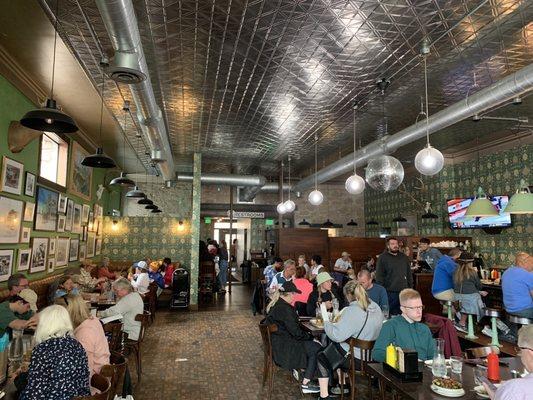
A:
(17, 283)
(406, 330)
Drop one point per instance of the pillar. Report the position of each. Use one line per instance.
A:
(195, 228)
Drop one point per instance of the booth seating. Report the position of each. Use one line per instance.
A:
(39, 286)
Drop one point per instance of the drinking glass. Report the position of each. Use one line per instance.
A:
(457, 364)
(438, 368)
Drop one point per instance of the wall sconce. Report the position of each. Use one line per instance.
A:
(181, 226)
(114, 227)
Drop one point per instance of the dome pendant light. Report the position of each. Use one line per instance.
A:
(521, 202)
(49, 118)
(354, 184)
(151, 207)
(289, 204)
(351, 223)
(135, 193)
(122, 180)
(304, 223)
(156, 211)
(481, 206)
(429, 214)
(100, 160)
(145, 200)
(315, 197)
(428, 161)
(281, 208)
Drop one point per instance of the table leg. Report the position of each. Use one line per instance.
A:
(382, 386)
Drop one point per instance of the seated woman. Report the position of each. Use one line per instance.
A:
(85, 279)
(89, 332)
(467, 288)
(168, 271)
(156, 276)
(140, 280)
(361, 319)
(103, 270)
(58, 369)
(292, 347)
(304, 286)
(65, 286)
(326, 291)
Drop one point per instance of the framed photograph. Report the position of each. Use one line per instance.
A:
(62, 249)
(10, 219)
(69, 215)
(39, 250)
(73, 249)
(62, 204)
(24, 259)
(29, 185)
(61, 221)
(90, 223)
(50, 265)
(6, 264)
(52, 247)
(91, 238)
(98, 247)
(85, 215)
(25, 234)
(29, 210)
(83, 250)
(12, 172)
(46, 218)
(80, 181)
(76, 219)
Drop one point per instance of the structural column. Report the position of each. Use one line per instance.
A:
(195, 227)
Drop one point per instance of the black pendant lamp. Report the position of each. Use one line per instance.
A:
(351, 223)
(328, 224)
(122, 180)
(100, 160)
(429, 215)
(146, 201)
(151, 207)
(49, 118)
(156, 211)
(399, 218)
(372, 222)
(135, 193)
(304, 223)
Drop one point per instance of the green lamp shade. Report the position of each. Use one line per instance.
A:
(481, 207)
(520, 203)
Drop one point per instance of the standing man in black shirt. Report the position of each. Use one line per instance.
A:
(393, 272)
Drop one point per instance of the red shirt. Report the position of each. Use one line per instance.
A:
(169, 271)
(305, 287)
(103, 272)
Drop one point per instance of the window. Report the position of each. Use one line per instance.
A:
(54, 156)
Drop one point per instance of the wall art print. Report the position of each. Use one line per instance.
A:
(46, 218)
(12, 172)
(24, 259)
(69, 215)
(39, 251)
(6, 264)
(29, 185)
(29, 210)
(76, 219)
(73, 249)
(25, 235)
(62, 249)
(10, 219)
(80, 181)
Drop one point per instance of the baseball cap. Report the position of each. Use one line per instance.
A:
(142, 265)
(289, 287)
(345, 254)
(29, 296)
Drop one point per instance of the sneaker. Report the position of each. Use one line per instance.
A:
(337, 389)
(310, 388)
(296, 374)
(487, 331)
(460, 327)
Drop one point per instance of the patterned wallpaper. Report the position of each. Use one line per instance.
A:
(499, 173)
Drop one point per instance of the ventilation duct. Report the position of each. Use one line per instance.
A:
(129, 66)
(250, 192)
(225, 179)
(505, 90)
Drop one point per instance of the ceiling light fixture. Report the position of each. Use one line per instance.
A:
(351, 223)
(281, 208)
(289, 204)
(315, 197)
(399, 218)
(521, 202)
(372, 222)
(151, 207)
(122, 180)
(328, 224)
(145, 200)
(304, 223)
(157, 211)
(99, 159)
(354, 184)
(429, 214)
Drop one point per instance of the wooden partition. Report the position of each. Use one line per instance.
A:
(360, 248)
(292, 242)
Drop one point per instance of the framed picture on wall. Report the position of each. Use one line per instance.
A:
(25, 234)
(11, 219)
(62, 250)
(83, 249)
(90, 244)
(69, 215)
(39, 250)
(90, 223)
(73, 249)
(12, 172)
(24, 259)
(98, 247)
(80, 181)
(29, 211)
(6, 264)
(76, 219)
(61, 221)
(50, 265)
(52, 247)
(29, 185)
(46, 215)
(62, 204)
(85, 215)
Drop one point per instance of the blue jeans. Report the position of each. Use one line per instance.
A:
(527, 313)
(223, 274)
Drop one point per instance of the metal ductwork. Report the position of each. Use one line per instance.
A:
(129, 66)
(250, 192)
(505, 90)
(224, 179)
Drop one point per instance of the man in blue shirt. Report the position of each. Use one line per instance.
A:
(442, 287)
(517, 286)
(377, 293)
(428, 254)
(271, 270)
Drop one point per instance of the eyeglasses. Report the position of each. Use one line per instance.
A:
(421, 308)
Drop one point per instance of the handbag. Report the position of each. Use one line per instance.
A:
(333, 356)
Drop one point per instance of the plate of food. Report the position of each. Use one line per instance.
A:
(447, 387)
(317, 322)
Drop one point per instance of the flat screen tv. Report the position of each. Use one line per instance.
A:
(457, 209)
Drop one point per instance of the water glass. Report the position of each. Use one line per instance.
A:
(457, 364)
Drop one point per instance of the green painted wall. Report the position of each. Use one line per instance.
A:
(499, 173)
(13, 105)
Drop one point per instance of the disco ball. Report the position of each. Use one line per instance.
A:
(355, 184)
(289, 206)
(384, 173)
(429, 161)
(315, 197)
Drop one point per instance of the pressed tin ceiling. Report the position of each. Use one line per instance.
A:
(246, 82)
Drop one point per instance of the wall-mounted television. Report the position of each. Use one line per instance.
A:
(457, 209)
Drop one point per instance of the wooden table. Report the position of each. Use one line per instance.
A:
(103, 304)
(422, 390)
(314, 330)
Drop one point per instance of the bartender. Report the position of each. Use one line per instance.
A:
(428, 254)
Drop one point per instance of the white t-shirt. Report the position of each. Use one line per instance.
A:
(141, 283)
(316, 269)
(345, 265)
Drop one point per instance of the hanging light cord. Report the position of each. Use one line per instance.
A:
(54, 56)
(427, 101)
(126, 109)
(316, 163)
(354, 143)
(102, 106)
(281, 183)
(289, 178)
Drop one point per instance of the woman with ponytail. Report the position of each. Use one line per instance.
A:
(361, 319)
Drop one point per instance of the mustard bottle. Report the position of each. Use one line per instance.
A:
(391, 356)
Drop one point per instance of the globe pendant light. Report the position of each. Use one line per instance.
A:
(122, 180)
(49, 118)
(521, 202)
(315, 197)
(304, 223)
(99, 160)
(372, 222)
(289, 204)
(354, 184)
(281, 208)
(428, 161)
(481, 206)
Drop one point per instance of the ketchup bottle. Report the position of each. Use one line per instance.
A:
(493, 372)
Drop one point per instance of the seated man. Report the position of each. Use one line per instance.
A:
(85, 280)
(341, 268)
(16, 283)
(405, 330)
(15, 314)
(273, 269)
(129, 304)
(442, 286)
(517, 286)
(281, 277)
(377, 293)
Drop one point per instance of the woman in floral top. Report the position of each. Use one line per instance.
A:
(59, 369)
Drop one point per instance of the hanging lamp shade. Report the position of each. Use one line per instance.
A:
(351, 223)
(49, 118)
(151, 207)
(372, 222)
(304, 223)
(289, 206)
(521, 202)
(146, 201)
(328, 224)
(122, 180)
(156, 211)
(481, 207)
(98, 160)
(429, 215)
(135, 193)
(281, 208)
(399, 218)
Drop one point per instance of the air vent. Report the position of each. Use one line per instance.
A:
(157, 156)
(125, 69)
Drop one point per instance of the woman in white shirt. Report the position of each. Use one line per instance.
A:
(316, 267)
(140, 280)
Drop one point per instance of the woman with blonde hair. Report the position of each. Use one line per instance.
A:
(89, 332)
(467, 288)
(361, 319)
(58, 368)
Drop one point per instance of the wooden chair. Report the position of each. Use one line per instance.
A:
(365, 347)
(268, 358)
(150, 300)
(135, 345)
(115, 371)
(101, 383)
(207, 281)
(481, 352)
(115, 336)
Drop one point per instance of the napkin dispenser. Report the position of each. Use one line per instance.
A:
(407, 360)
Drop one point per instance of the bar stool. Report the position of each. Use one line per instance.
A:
(494, 315)
(449, 305)
(516, 319)
(470, 334)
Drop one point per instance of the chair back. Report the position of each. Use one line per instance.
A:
(115, 371)
(365, 347)
(144, 319)
(114, 333)
(102, 384)
(481, 352)
(266, 331)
